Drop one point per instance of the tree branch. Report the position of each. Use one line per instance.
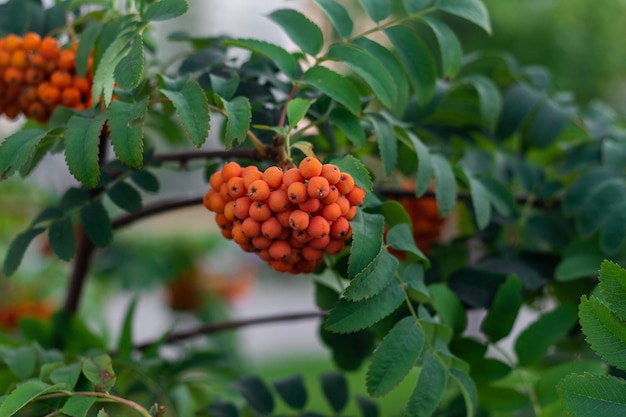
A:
(155, 208)
(183, 157)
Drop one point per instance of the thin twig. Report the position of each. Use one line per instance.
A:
(155, 208)
(183, 157)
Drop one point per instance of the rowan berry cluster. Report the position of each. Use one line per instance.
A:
(37, 75)
(290, 218)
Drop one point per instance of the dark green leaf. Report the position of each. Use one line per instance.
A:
(78, 406)
(165, 10)
(413, 7)
(146, 180)
(387, 143)
(99, 371)
(400, 237)
(395, 357)
(256, 393)
(578, 266)
(547, 124)
(394, 213)
(504, 309)
(593, 395)
(488, 370)
(283, 59)
(449, 45)
(448, 307)
(489, 98)
(349, 316)
(129, 70)
(334, 85)
(82, 140)
(349, 351)
(377, 10)
(302, 31)
(125, 122)
(374, 278)
(468, 389)
(369, 68)
(606, 333)
(335, 388)
(577, 193)
(613, 233)
(292, 391)
(97, 223)
(413, 279)
(17, 149)
(418, 62)
(125, 196)
(367, 239)
(445, 185)
(533, 343)
(367, 406)
(480, 202)
(429, 389)
(16, 250)
(500, 196)
(424, 164)
(613, 287)
(239, 115)
(193, 109)
(354, 167)
(325, 297)
(595, 210)
(62, 238)
(349, 124)
(472, 10)
(519, 101)
(21, 396)
(338, 16)
(125, 343)
(20, 360)
(223, 409)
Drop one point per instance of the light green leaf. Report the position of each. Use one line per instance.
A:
(449, 45)
(400, 237)
(78, 406)
(488, 96)
(394, 357)
(17, 248)
(165, 10)
(302, 31)
(387, 143)
(394, 213)
(429, 389)
(99, 371)
(367, 239)
(417, 59)
(297, 110)
(504, 309)
(193, 109)
(351, 316)
(305, 147)
(349, 124)
(125, 123)
(369, 68)
(374, 278)
(338, 16)
(377, 10)
(62, 238)
(471, 10)
(17, 149)
(480, 202)
(334, 85)
(239, 116)
(593, 395)
(613, 287)
(448, 307)
(468, 389)
(96, 223)
(445, 184)
(129, 70)
(283, 59)
(21, 396)
(125, 343)
(125, 196)
(85, 46)
(20, 360)
(605, 332)
(357, 169)
(82, 140)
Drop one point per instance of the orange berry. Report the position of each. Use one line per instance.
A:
(318, 227)
(331, 173)
(344, 204)
(250, 174)
(312, 254)
(285, 234)
(222, 221)
(259, 190)
(13, 76)
(61, 79)
(345, 184)
(48, 94)
(299, 236)
(339, 229)
(19, 59)
(310, 167)
(238, 234)
(299, 220)
(227, 233)
(280, 265)
(50, 48)
(251, 228)
(37, 111)
(318, 187)
(278, 200)
(31, 41)
(334, 246)
(27, 96)
(297, 192)
(229, 210)
(5, 59)
(331, 212)
(216, 180)
(213, 201)
(283, 218)
(33, 76)
(81, 84)
(70, 97)
(12, 43)
(231, 169)
(311, 205)
(259, 211)
(67, 60)
(356, 196)
(12, 110)
(261, 242)
(273, 176)
(236, 188)
(224, 191)
(292, 175)
(271, 228)
(320, 242)
(242, 208)
(351, 213)
(333, 195)
(294, 256)
(280, 249)
(37, 61)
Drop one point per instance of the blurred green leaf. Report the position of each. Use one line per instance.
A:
(578, 266)
(292, 391)
(96, 223)
(165, 10)
(21, 396)
(78, 406)
(374, 278)
(21, 360)
(125, 196)
(504, 309)
(445, 184)
(17, 248)
(471, 10)
(400, 237)
(449, 45)
(377, 10)
(387, 143)
(448, 307)
(99, 370)
(145, 180)
(283, 59)
(468, 390)
(338, 16)
(256, 393)
(16, 149)
(335, 389)
(349, 124)
(62, 238)
(596, 207)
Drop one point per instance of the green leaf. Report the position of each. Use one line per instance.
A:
(578, 266)
(449, 45)
(354, 167)
(429, 389)
(549, 378)
(125, 122)
(335, 388)
(21, 396)
(577, 193)
(424, 164)
(468, 390)
(256, 393)
(471, 10)
(500, 196)
(489, 98)
(125, 196)
(338, 16)
(165, 10)
(125, 344)
(283, 59)
(394, 213)
(448, 307)
(417, 59)
(533, 343)
(377, 10)
(99, 371)
(593, 395)
(504, 309)
(349, 124)
(292, 391)
(367, 406)
(17, 248)
(613, 287)
(394, 357)
(129, 70)
(325, 297)
(349, 351)
(387, 143)
(85, 46)
(305, 147)
(595, 210)
(78, 406)
(17, 149)
(20, 360)
(519, 101)
(606, 333)
(82, 140)
(445, 184)
(193, 109)
(349, 316)
(334, 85)
(374, 278)
(400, 237)
(96, 223)
(302, 31)
(145, 180)
(367, 239)
(297, 110)
(394, 67)
(62, 238)
(613, 234)
(548, 122)
(415, 6)
(239, 115)
(369, 68)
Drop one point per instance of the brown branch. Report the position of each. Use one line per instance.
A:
(183, 157)
(231, 325)
(155, 208)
